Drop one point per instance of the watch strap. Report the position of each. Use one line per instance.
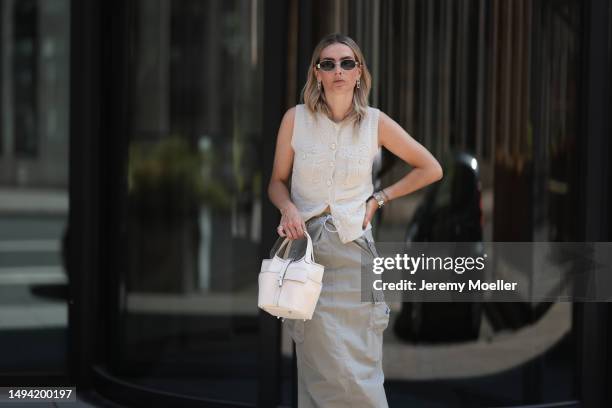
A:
(380, 199)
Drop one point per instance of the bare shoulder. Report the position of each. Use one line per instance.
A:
(385, 125)
(399, 142)
(283, 156)
(289, 118)
(385, 120)
(389, 129)
(291, 111)
(285, 132)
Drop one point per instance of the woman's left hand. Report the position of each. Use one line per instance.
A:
(371, 207)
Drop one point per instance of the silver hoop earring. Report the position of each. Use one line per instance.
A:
(358, 83)
(319, 85)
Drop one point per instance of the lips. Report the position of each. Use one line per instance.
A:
(338, 80)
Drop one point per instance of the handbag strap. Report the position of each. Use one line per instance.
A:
(287, 240)
(287, 249)
(309, 256)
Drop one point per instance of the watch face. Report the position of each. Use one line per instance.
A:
(379, 199)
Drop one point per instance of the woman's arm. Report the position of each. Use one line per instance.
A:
(426, 169)
(292, 224)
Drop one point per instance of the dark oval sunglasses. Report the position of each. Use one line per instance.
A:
(329, 65)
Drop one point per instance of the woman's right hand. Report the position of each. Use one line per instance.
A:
(291, 225)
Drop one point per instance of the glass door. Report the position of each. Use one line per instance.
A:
(190, 202)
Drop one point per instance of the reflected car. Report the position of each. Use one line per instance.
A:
(451, 211)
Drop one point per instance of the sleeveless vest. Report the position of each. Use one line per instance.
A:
(332, 165)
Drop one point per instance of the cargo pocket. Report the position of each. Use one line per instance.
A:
(369, 238)
(367, 264)
(362, 243)
(379, 320)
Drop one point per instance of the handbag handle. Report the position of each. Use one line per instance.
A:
(309, 256)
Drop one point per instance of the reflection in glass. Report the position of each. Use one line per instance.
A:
(189, 322)
(35, 87)
(497, 81)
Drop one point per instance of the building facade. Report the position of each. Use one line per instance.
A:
(137, 142)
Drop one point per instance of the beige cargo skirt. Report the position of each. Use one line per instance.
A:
(339, 352)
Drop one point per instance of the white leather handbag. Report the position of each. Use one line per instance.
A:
(290, 288)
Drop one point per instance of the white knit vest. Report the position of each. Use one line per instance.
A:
(332, 166)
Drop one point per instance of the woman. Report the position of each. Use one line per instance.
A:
(327, 146)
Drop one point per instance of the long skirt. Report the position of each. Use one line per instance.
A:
(339, 351)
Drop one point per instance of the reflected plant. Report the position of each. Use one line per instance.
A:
(167, 176)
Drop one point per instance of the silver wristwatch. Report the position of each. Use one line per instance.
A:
(380, 199)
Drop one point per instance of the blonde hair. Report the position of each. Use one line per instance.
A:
(314, 99)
